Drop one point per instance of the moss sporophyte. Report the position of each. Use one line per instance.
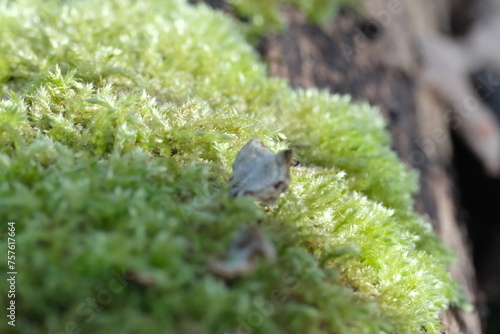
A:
(119, 123)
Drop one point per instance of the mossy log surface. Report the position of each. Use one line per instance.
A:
(373, 58)
(119, 123)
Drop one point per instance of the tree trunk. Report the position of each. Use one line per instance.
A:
(376, 59)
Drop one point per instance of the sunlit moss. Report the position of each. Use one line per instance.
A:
(119, 122)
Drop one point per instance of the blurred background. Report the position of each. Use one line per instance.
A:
(433, 69)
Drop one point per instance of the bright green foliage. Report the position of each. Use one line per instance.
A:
(264, 15)
(119, 122)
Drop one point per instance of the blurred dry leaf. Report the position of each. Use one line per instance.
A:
(249, 245)
(142, 279)
(260, 173)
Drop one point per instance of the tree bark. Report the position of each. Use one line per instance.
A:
(374, 57)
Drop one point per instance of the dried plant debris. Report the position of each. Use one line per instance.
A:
(249, 245)
(260, 173)
(142, 279)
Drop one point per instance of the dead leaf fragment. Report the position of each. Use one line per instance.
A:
(249, 245)
(260, 173)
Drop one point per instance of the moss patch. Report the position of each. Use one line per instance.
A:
(119, 122)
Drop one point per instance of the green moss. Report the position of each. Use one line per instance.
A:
(118, 126)
(265, 15)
